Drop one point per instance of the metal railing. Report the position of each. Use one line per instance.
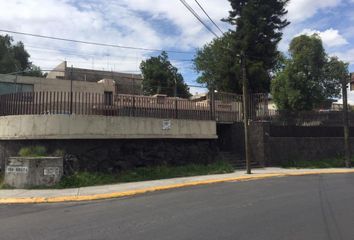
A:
(222, 107)
(308, 118)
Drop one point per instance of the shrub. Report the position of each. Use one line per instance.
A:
(82, 179)
(59, 153)
(33, 151)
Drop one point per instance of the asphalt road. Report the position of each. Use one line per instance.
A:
(307, 207)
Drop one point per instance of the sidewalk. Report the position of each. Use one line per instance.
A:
(128, 189)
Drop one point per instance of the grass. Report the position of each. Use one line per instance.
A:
(82, 179)
(2, 184)
(33, 151)
(324, 163)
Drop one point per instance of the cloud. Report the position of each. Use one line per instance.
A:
(90, 23)
(346, 56)
(301, 10)
(157, 24)
(330, 37)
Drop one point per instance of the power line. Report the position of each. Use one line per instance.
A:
(198, 17)
(200, 6)
(85, 55)
(104, 74)
(93, 43)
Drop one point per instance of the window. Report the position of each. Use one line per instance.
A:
(7, 88)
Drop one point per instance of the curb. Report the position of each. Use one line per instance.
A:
(37, 200)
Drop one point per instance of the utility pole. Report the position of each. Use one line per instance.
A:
(245, 113)
(346, 122)
(212, 102)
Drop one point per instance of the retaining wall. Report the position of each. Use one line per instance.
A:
(112, 155)
(102, 127)
(279, 145)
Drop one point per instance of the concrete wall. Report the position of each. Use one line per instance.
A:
(23, 172)
(58, 85)
(58, 71)
(101, 127)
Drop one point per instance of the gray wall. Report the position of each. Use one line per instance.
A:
(101, 127)
(278, 145)
(281, 150)
(274, 146)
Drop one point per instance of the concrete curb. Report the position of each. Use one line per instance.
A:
(37, 200)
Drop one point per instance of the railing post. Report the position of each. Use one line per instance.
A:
(176, 108)
(133, 110)
(212, 104)
(71, 90)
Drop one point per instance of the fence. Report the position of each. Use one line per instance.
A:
(308, 118)
(229, 106)
(221, 107)
(100, 104)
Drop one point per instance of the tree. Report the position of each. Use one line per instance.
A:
(219, 68)
(258, 31)
(309, 77)
(14, 58)
(161, 77)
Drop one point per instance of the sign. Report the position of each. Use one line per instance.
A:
(16, 169)
(166, 125)
(51, 171)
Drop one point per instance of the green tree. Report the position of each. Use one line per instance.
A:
(161, 77)
(14, 58)
(258, 31)
(335, 71)
(309, 76)
(219, 68)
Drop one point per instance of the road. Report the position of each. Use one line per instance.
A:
(307, 207)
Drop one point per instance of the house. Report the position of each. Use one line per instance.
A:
(17, 84)
(125, 83)
(70, 79)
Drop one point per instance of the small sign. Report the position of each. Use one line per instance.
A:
(16, 169)
(166, 125)
(51, 171)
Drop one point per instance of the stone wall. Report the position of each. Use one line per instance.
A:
(281, 150)
(117, 154)
(278, 145)
(257, 134)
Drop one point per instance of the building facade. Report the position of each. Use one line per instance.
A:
(125, 83)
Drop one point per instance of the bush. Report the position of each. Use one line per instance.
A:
(324, 163)
(1, 181)
(82, 179)
(33, 151)
(59, 153)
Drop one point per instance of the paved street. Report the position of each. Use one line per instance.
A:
(307, 207)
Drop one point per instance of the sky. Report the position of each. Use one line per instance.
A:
(155, 24)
